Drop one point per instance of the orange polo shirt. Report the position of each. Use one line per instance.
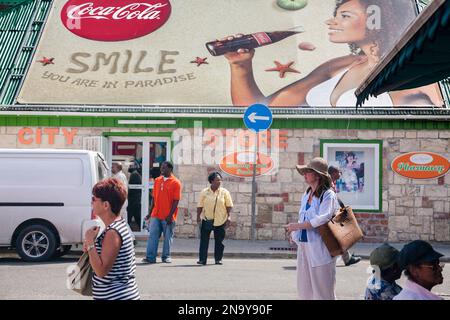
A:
(164, 193)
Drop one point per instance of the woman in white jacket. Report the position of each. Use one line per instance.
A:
(316, 269)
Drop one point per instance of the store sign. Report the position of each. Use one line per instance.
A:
(241, 164)
(161, 52)
(125, 148)
(118, 20)
(420, 165)
(27, 136)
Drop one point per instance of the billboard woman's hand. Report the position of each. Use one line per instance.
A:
(240, 56)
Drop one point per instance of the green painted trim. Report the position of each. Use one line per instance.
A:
(138, 134)
(231, 123)
(380, 173)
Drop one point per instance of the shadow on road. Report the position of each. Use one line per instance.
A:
(193, 266)
(290, 268)
(17, 261)
(174, 266)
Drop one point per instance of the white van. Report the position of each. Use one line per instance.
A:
(45, 199)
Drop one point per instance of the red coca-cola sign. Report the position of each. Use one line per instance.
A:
(118, 20)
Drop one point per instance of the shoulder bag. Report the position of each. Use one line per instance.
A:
(80, 279)
(342, 231)
(209, 223)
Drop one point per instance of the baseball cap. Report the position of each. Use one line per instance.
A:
(417, 251)
(384, 256)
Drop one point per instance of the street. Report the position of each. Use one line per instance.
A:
(236, 279)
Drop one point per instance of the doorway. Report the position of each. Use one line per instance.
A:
(141, 158)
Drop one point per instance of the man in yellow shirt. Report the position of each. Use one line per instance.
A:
(213, 212)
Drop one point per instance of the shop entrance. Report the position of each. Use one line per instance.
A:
(141, 158)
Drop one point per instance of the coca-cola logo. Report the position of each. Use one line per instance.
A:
(118, 20)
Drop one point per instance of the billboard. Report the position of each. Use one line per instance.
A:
(294, 53)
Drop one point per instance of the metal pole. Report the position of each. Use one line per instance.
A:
(253, 226)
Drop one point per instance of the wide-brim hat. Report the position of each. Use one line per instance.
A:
(318, 165)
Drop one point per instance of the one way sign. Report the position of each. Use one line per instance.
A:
(258, 117)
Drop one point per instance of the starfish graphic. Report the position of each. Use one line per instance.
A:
(199, 61)
(45, 61)
(283, 68)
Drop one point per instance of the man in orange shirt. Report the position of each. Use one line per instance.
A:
(164, 210)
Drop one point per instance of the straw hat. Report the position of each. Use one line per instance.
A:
(318, 165)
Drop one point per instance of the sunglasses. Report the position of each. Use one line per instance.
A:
(435, 266)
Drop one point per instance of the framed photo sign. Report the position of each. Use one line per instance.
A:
(359, 162)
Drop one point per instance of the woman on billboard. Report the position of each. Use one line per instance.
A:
(333, 83)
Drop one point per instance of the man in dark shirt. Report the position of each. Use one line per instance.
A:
(134, 196)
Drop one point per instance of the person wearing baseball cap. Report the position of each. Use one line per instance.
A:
(423, 270)
(335, 174)
(381, 285)
(316, 268)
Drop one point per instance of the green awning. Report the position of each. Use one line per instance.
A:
(421, 57)
(6, 4)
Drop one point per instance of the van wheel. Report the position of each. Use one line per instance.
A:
(36, 243)
(61, 251)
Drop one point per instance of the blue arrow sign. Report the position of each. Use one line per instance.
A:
(258, 117)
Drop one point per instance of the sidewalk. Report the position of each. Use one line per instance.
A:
(267, 249)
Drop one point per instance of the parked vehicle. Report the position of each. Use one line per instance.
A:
(45, 199)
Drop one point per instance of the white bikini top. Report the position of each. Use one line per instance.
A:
(320, 95)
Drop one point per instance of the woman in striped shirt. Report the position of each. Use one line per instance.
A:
(113, 259)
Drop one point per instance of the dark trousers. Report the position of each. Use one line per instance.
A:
(134, 210)
(219, 236)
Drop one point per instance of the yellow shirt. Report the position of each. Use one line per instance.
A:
(208, 200)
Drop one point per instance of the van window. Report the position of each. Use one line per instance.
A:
(102, 171)
(39, 171)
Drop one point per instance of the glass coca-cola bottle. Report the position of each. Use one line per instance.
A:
(249, 41)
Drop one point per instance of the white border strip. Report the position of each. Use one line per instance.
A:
(147, 122)
(226, 116)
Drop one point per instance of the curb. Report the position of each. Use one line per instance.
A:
(244, 255)
(366, 257)
(239, 255)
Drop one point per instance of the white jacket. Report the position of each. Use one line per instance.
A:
(318, 214)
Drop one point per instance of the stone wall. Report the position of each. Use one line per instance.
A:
(411, 209)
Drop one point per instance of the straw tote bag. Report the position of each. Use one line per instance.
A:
(341, 232)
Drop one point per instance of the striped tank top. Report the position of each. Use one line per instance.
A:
(120, 282)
